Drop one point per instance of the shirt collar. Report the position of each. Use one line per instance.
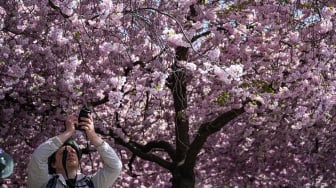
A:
(62, 179)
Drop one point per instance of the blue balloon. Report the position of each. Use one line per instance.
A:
(6, 164)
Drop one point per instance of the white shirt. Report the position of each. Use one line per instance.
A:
(38, 166)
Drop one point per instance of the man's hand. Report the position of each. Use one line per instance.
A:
(70, 123)
(87, 125)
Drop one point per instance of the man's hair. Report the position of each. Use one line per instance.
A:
(52, 158)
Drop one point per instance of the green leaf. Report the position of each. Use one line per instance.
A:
(223, 98)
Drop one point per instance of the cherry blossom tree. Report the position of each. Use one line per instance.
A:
(191, 93)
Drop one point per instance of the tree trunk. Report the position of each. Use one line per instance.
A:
(183, 178)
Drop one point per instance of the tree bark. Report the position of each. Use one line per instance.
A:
(183, 177)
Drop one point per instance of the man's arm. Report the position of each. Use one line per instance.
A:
(112, 164)
(107, 175)
(38, 164)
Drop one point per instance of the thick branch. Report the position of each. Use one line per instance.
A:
(142, 151)
(208, 129)
(144, 155)
(154, 145)
(177, 85)
(52, 5)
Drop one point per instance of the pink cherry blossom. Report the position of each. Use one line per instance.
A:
(201, 93)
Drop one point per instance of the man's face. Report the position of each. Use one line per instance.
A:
(72, 162)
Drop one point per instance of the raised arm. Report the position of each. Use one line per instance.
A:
(38, 163)
(106, 176)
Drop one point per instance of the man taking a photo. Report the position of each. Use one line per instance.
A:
(55, 163)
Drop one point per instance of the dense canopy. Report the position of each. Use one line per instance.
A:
(190, 93)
